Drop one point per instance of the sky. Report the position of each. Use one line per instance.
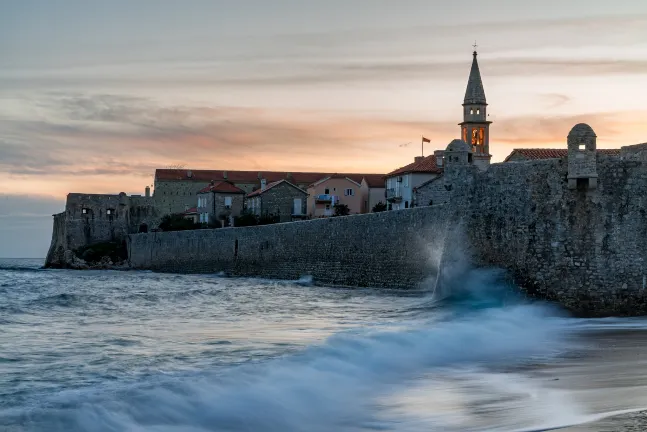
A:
(94, 95)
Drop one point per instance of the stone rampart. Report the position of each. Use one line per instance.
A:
(389, 249)
(583, 247)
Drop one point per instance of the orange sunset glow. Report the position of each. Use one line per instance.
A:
(334, 87)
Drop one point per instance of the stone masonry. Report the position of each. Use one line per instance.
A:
(582, 247)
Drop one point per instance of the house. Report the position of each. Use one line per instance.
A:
(335, 189)
(528, 154)
(219, 203)
(373, 191)
(401, 182)
(280, 198)
(175, 189)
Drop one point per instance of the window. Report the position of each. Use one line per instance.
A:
(85, 211)
(472, 111)
(110, 212)
(478, 111)
(228, 202)
(406, 181)
(349, 192)
(327, 206)
(406, 204)
(327, 191)
(582, 146)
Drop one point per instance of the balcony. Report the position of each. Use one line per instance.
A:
(324, 198)
(393, 195)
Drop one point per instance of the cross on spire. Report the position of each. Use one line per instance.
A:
(475, 46)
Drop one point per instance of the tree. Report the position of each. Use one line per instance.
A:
(379, 207)
(177, 222)
(341, 210)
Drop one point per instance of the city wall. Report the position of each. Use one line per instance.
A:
(584, 248)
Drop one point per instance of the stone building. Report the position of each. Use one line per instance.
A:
(281, 199)
(95, 218)
(582, 158)
(219, 203)
(475, 127)
(175, 189)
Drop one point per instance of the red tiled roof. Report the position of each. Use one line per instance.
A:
(245, 176)
(192, 210)
(374, 180)
(427, 165)
(270, 186)
(546, 153)
(222, 187)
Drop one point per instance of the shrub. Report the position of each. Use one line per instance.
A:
(177, 222)
(93, 253)
(379, 207)
(341, 210)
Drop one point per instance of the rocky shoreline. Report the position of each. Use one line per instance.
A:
(72, 262)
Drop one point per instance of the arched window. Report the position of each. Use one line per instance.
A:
(478, 111)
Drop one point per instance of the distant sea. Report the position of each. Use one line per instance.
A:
(142, 351)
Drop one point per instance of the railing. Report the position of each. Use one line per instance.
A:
(323, 198)
(393, 193)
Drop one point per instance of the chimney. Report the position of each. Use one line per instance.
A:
(224, 175)
(440, 155)
(263, 183)
(212, 182)
(147, 192)
(289, 177)
(418, 158)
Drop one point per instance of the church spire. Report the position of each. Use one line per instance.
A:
(475, 95)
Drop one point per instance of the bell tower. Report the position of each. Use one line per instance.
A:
(475, 128)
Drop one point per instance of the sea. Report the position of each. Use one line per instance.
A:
(144, 351)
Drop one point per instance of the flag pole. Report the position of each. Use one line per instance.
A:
(422, 145)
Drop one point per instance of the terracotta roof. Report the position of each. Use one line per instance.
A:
(545, 153)
(192, 210)
(270, 186)
(245, 176)
(374, 180)
(334, 176)
(222, 187)
(427, 165)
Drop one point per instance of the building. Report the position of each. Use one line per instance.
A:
(175, 189)
(324, 194)
(373, 191)
(475, 127)
(280, 199)
(401, 182)
(219, 203)
(192, 215)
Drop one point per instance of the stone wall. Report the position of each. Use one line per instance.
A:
(581, 247)
(96, 218)
(388, 249)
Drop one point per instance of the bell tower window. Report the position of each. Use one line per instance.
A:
(478, 111)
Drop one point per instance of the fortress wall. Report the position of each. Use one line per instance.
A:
(583, 248)
(388, 249)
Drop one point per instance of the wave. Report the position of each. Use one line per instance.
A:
(337, 385)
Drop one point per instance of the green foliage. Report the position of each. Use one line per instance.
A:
(247, 218)
(379, 207)
(93, 253)
(177, 222)
(341, 210)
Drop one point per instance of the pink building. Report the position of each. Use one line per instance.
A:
(324, 194)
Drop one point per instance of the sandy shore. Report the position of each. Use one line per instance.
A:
(609, 376)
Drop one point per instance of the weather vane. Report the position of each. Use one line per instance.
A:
(475, 46)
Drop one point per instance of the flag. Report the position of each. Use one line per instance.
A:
(424, 140)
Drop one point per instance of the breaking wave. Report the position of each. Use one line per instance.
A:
(344, 383)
